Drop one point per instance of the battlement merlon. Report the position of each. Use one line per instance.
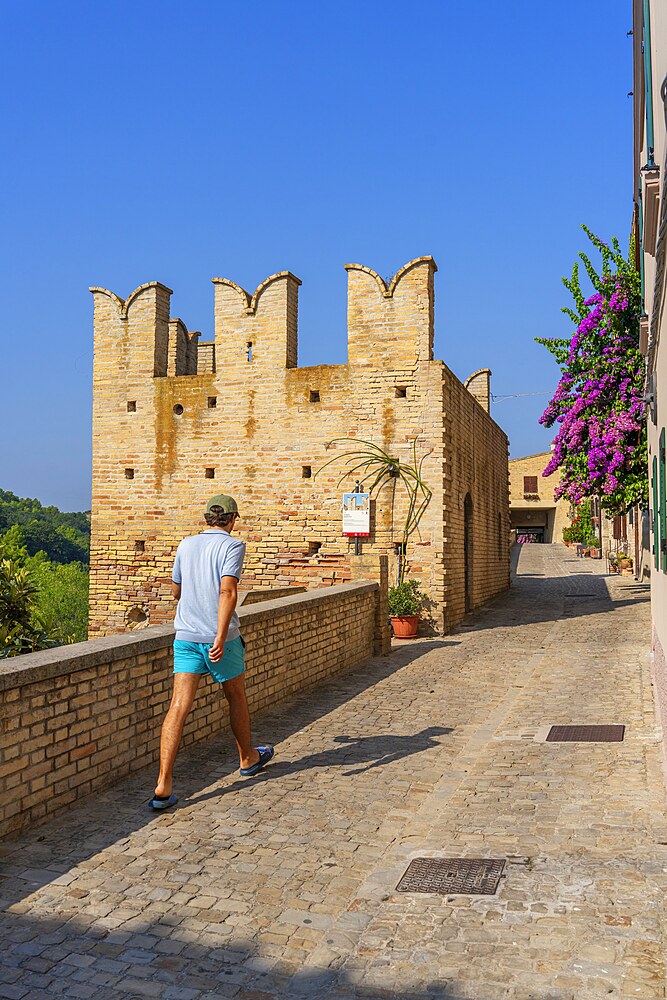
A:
(262, 327)
(391, 324)
(479, 385)
(132, 334)
(183, 345)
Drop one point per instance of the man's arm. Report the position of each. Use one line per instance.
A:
(226, 605)
(176, 590)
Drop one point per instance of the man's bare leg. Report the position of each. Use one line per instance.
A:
(239, 719)
(185, 689)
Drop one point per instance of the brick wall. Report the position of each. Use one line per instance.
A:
(476, 469)
(77, 718)
(253, 424)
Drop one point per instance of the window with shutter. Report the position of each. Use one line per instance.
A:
(530, 484)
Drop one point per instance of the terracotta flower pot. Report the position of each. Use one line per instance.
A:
(405, 626)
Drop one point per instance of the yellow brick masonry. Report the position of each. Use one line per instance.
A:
(542, 507)
(77, 718)
(251, 423)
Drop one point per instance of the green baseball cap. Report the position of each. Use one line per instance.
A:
(227, 504)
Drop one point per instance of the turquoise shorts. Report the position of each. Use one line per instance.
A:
(193, 658)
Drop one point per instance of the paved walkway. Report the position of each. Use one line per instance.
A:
(285, 886)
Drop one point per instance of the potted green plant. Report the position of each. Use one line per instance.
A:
(405, 602)
(381, 469)
(626, 565)
(593, 550)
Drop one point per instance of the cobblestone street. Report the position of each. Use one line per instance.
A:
(284, 885)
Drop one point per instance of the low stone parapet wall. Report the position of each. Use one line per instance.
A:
(76, 718)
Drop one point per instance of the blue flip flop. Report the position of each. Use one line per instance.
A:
(265, 752)
(161, 802)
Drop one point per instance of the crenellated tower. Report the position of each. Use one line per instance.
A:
(177, 418)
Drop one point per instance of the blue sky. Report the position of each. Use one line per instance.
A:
(179, 142)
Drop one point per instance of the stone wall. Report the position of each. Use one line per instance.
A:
(77, 718)
(253, 424)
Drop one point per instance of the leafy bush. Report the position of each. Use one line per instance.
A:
(22, 628)
(405, 599)
(63, 599)
(581, 529)
(42, 604)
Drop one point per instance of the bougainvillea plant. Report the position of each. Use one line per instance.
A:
(600, 447)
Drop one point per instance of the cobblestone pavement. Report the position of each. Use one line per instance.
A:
(285, 886)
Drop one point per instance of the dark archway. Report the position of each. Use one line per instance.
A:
(468, 551)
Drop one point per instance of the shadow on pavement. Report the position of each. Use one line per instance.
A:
(42, 957)
(121, 809)
(368, 751)
(534, 598)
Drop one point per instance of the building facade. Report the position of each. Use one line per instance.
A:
(650, 195)
(176, 420)
(534, 511)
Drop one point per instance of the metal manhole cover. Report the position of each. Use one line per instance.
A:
(586, 734)
(469, 876)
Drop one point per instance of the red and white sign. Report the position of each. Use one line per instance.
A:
(356, 515)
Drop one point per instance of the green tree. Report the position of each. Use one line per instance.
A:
(65, 537)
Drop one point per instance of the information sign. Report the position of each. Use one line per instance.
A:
(356, 515)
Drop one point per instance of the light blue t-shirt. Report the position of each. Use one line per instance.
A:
(201, 562)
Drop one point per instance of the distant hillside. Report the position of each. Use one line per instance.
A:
(64, 537)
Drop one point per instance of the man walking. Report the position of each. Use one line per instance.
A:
(208, 640)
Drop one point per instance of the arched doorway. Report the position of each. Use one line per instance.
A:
(468, 550)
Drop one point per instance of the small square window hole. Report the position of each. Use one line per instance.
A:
(314, 548)
(210, 473)
(129, 473)
(139, 546)
(131, 406)
(400, 392)
(306, 471)
(314, 395)
(212, 402)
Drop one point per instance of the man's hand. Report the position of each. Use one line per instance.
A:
(226, 605)
(217, 650)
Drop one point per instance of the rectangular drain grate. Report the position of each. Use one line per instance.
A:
(468, 876)
(586, 734)
(580, 595)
